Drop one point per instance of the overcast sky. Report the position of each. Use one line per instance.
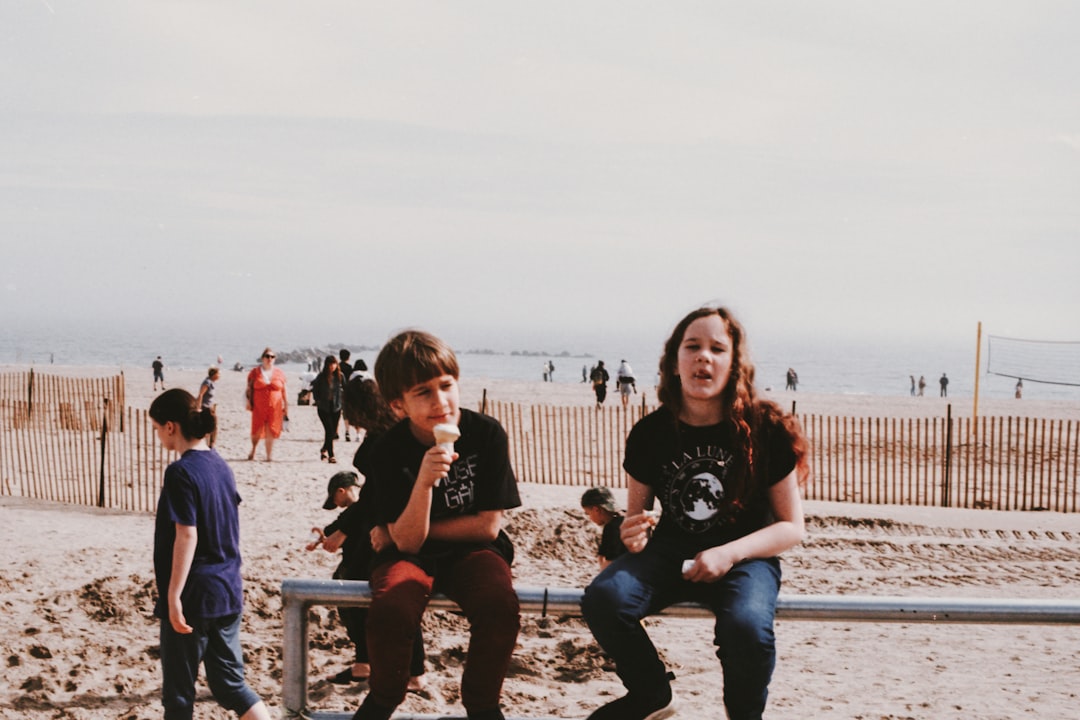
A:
(556, 170)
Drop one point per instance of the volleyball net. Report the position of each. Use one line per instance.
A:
(1042, 361)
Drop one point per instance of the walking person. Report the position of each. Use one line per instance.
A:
(159, 372)
(328, 389)
(197, 566)
(600, 377)
(268, 402)
(625, 382)
(944, 382)
(726, 466)
(205, 400)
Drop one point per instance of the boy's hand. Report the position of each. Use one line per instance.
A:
(380, 538)
(176, 617)
(436, 466)
(333, 542)
(635, 531)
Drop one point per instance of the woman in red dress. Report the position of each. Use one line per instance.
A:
(267, 402)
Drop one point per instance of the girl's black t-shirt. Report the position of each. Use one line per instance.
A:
(693, 472)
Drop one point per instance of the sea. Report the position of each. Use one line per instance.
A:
(823, 365)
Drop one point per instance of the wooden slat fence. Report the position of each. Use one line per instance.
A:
(72, 440)
(1004, 463)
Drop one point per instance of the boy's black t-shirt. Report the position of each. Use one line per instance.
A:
(611, 544)
(693, 472)
(480, 479)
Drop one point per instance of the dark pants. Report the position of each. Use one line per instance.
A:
(355, 621)
(635, 586)
(330, 419)
(216, 644)
(481, 584)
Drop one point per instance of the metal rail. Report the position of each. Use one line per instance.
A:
(298, 595)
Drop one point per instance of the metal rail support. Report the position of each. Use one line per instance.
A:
(298, 595)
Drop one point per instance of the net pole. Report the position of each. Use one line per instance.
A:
(978, 351)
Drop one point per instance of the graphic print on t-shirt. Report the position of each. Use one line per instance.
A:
(460, 490)
(698, 494)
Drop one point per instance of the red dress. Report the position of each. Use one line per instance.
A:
(267, 403)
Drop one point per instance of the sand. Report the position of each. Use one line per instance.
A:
(78, 640)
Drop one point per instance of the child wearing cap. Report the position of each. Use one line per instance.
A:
(350, 531)
(599, 506)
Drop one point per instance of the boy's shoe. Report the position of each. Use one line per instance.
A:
(371, 710)
(633, 707)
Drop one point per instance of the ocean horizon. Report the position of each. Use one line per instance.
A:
(823, 365)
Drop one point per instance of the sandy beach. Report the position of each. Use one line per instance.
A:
(78, 639)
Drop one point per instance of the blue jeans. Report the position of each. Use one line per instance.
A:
(635, 586)
(215, 642)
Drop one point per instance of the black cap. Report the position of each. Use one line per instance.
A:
(343, 479)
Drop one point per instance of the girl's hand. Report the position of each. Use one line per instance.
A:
(176, 617)
(710, 565)
(435, 466)
(636, 531)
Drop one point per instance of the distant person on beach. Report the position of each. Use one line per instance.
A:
(544, 371)
(792, 380)
(922, 385)
(944, 382)
(268, 402)
(1019, 388)
(599, 377)
(726, 466)
(599, 506)
(205, 400)
(328, 392)
(625, 382)
(912, 386)
(584, 373)
(443, 510)
(159, 372)
(346, 367)
(551, 371)
(197, 566)
(346, 372)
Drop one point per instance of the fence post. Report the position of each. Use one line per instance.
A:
(946, 494)
(104, 434)
(30, 395)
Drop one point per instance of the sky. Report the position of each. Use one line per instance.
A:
(553, 174)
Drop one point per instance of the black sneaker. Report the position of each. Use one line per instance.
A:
(371, 710)
(633, 707)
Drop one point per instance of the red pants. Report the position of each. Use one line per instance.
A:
(480, 583)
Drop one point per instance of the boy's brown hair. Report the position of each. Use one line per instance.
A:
(410, 358)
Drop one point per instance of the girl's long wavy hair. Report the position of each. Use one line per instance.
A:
(366, 408)
(740, 402)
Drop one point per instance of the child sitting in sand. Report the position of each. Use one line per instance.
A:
(599, 506)
(443, 509)
(350, 532)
